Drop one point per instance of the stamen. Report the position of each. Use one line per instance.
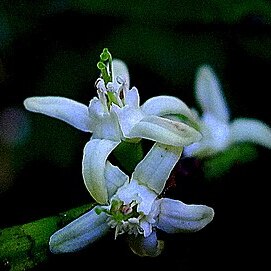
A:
(124, 218)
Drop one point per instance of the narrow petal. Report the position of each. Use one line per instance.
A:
(97, 108)
(114, 178)
(166, 105)
(146, 246)
(154, 170)
(70, 111)
(79, 233)
(216, 137)
(209, 94)
(128, 117)
(250, 130)
(96, 152)
(103, 123)
(216, 133)
(132, 97)
(176, 216)
(165, 131)
(120, 69)
(108, 128)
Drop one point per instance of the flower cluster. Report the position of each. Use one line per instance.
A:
(131, 205)
(116, 115)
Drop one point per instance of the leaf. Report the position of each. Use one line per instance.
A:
(221, 163)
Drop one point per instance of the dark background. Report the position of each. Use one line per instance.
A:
(52, 47)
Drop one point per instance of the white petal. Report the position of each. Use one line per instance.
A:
(215, 133)
(166, 105)
(132, 98)
(70, 111)
(128, 117)
(251, 130)
(146, 246)
(209, 94)
(154, 170)
(97, 108)
(146, 226)
(79, 233)
(165, 131)
(104, 124)
(120, 69)
(108, 128)
(216, 137)
(96, 152)
(176, 216)
(114, 178)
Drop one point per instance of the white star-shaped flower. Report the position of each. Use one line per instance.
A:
(218, 131)
(134, 207)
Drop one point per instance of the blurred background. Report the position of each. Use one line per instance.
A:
(52, 48)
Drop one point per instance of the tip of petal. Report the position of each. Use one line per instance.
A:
(28, 103)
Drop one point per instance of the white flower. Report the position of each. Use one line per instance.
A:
(116, 115)
(135, 208)
(218, 131)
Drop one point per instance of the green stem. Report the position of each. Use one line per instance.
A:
(23, 247)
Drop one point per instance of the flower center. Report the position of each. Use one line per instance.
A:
(123, 217)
